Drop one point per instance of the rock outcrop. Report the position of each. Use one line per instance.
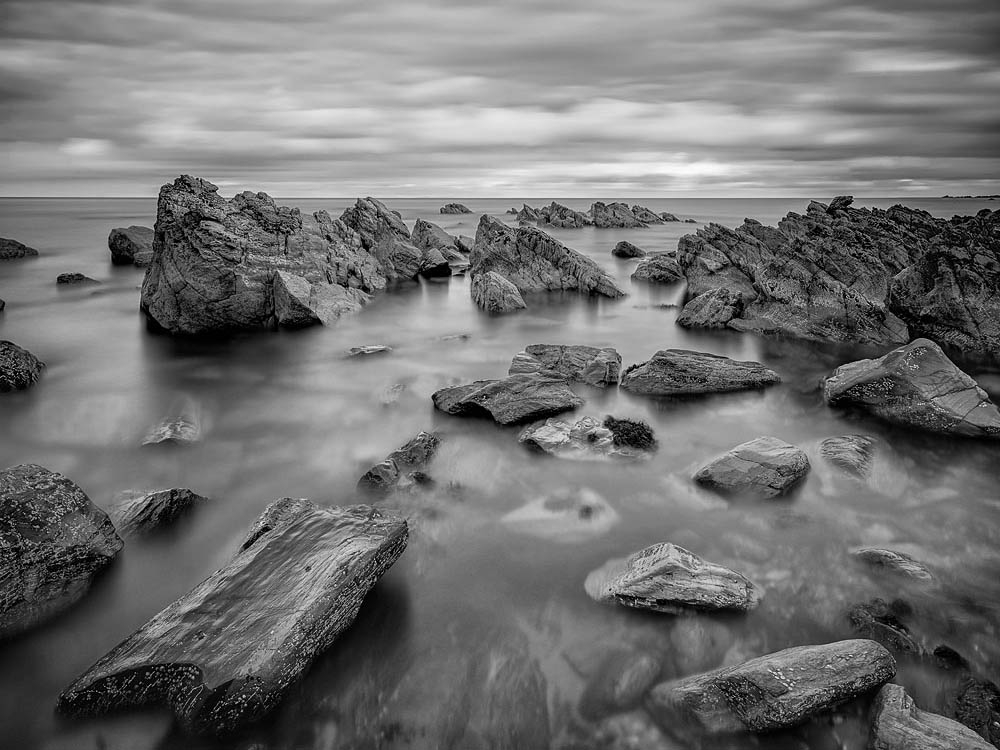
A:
(679, 372)
(513, 400)
(613, 215)
(764, 467)
(19, 368)
(148, 512)
(11, 249)
(413, 456)
(495, 293)
(713, 309)
(75, 278)
(646, 216)
(384, 235)
(897, 724)
(585, 364)
(55, 541)
(455, 208)
(916, 385)
(220, 659)
(131, 246)
(626, 249)
(562, 217)
(587, 439)
(658, 269)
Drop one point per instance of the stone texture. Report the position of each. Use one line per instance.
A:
(895, 562)
(75, 278)
(513, 400)
(220, 659)
(613, 215)
(10, 249)
(55, 541)
(413, 456)
(586, 364)
(131, 246)
(852, 454)
(658, 269)
(19, 368)
(626, 249)
(646, 216)
(384, 235)
(455, 208)
(368, 350)
(181, 426)
(429, 236)
(495, 294)
(587, 439)
(897, 724)
(679, 372)
(882, 621)
(713, 309)
(916, 385)
(764, 466)
(562, 217)
(148, 512)
(299, 303)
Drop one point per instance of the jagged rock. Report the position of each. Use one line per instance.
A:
(464, 243)
(840, 203)
(897, 724)
(429, 236)
(528, 215)
(978, 707)
(899, 563)
(55, 541)
(558, 215)
(147, 512)
(626, 249)
(658, 269)
(495, 293)
(713, 309)
(455, 208)
(413, 456)
(368, 350)
(181, 426)
(220, 659)
(882, 621)
(613, 215)
(584, 440)
(669, 217)
(515, 399)
(679, 372)
(512, 210)
(385, 236)
(764, 467)
(851, 453)
(75, 278)
(10, 249)
(690, 221)
(568, 515)
(586, 364)
(131, 246)
(773, 691)
(646, 216)
(19, 368)
(916, 385)
(668, 578)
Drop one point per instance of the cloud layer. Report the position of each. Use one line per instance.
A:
(473, 98)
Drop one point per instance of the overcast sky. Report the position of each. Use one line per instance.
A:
(523, 98)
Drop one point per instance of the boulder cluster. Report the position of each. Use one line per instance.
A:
(601, 215)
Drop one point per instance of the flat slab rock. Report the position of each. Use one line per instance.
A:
(19, 368)
(679, 372)
(513, 400)
(668, 578)
(764, 466)
(773, 691)
(75, 278)
(586, 364)
(54, 542)
(147, 512)
(219, 658)
(587, 439)
(916, 385)
(897, 724)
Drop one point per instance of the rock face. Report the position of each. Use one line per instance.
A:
(55, 541)
(613, 215)
(413, 456)
(384, 235)
(19, 368)
(534, 262)
(626, 249)
(585, 364)
(299, 303)
(495, 293)
(558, 215)
(646, 216)
(146, 513)
(182, 424)
(584, 440)
(429, 236)
(75, 278)
(131, 246)
(221, 659)
(567, 516)
(513, 400)
(668, 578)
(774, 691)
(658, 269)
(713, 309)
(10, 249)
(839, 273)
(882, 621)
(916, 385)
(455, 208)
(897, 724)
(852, 454)
(679, 372)
(764, 466)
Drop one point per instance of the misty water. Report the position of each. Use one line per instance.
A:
(287, 414)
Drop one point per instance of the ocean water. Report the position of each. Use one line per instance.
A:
(286, 414)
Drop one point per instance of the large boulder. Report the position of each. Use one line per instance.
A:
(585, 364)
(131, 246)
(764, 466)
(10, 249)
(513, 400)
(298, 303)
(413, 456)
(385, 236)
(528, 215)
(625, 249)
(455, 208)
(679, 372)
(495, 293)
(916, 385)
(19, 368)
(55, 541)
(668, 578)
(774, 691)
(145, 513)
(429, 236)
(713, 309)
(220, 659)
(897, 724)
(613, 215)
(658, 269)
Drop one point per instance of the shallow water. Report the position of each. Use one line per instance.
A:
(286, 414)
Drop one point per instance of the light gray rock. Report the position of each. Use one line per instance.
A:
(892, 561)
(584, 440)
(613, 215)
(713, 309)
(658, 269)
(299, 303)
(147, 512)
(679, 372)
(496, 294)
(413, 456)
(19, 368)
(626, 249)
(586, 364)
(764, 467)
(569, 515)
(455, 208)
(11, 249)
(515, 399)
(897, 724)
(853, 454)
(181, 426)
(131, 246)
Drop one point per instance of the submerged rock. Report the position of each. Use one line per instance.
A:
(131, 246)
(892, 561)
(220, 659)
(10, 249)
(897, 724)
(75, 278)
(882, 621)
(19, 368)
(679, 372)
(182, 424)
(764, 466)
(775, 691)
(584, 440)
(413, 456)
(149, 512)
(668, 578)
(55, 541)
(613, 215)
(569, 515)
(658, 269)
(513, 400)
(495, 293)
(585, 364)
(626, 249)
(851, 453)
(916, 385)
(455, 208)
(713, 309)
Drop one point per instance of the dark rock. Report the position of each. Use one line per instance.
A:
(416, 454)
(2, 305)
(613, 215)
(55, 541)
(978, 707)
(182, 424)
(840, 203)
(10, 249)
(679, 372)
(19, 368)
(368, 349)
(585, 364)
(773, 691)
(75, 278)
(220, 659)
(690, 221)
(152, 511)
(631, 433)
(658, 269)
(764, 467)
(464, 243)
(892, 561)
(669, 217)
(455, 208)
(916, 385)
(668, 578)
(131, 246)
(851, 453)
(558, 215)
(568, 515)
(428, 236)
(515, 399)
(633, 730)
(897, 724)
(385, 236)
(626, 249)
(512, 210)
(713, 309)
(584, 440)
(495, 294)
(646, 216)
(882, 621)
(948, 658)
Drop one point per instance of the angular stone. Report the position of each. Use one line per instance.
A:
(892, 561)
(764, 466)
(416, 454)
(679, 372)
(131, 246)
(646, 216)
(626, 249)
(299, 303)
(19, 368)
(585, 364)
(658, 269)
(148, 512)
(515, 399)
(613, 215)
(385, 236)
(713, 309)
(882, 621)
(495, 293)
(368, 350)
(10, 249)
(558, 215)
(897, 724)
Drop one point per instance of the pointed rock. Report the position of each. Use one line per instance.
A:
(614, 215)
(415, 455)
(147, 512)
(495, 293)
(713, 309)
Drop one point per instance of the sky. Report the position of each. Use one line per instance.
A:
(574, 98)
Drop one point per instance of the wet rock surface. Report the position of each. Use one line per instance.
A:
(513, 400)
(586, 364)
(898, 724)
(893, 562)
(131, 246)
(75, 278)
(411, 457)
(587, 439)
(977, 706)
(148, 512)
(658, 269)
(679, 372)
(882, 621)
(562, 217)
(764, 467)
(19, 368)
(368, 350)
(613, 215)
(11, 249)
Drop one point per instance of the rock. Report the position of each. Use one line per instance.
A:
(55, 541)
(464, 243)
(75, 278)
(771, 692)
(679, 372)
(658, 269)
(613, 215)
(181, 426)
(19, 368)
(384, 235)
(512, 210)
(978, 707)
(713, 309)
(668, 217)
(528, 215)
(882, 622)
(899, 563)
(2, 305)
(646, 216)
(764, 467)
(916, 385)
(10, 249)
(368, 350)
(299, 303)
(495, 293)
(631, 433)
(515, 399)
(668, 578)
(626, 249)
(585, 440)
(690, 221)
(897, 724)
(622, 679)
(455, 208)
(131, 246)
(851, 453)
(149, 512)
(220, 659)
(558, 215)
(568, 515)
(416, 454)
(430, 236)
(840, 203)
(584, 364)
